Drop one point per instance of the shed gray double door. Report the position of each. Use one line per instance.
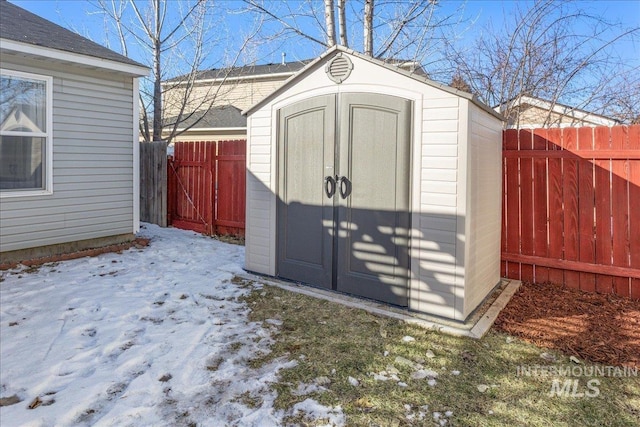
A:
(343, 194)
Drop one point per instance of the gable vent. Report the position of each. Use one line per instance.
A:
(339, 68)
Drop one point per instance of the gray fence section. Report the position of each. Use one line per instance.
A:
(153, 183)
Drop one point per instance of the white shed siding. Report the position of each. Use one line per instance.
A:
(92, 162)
(260, 220)
(433, 289)
(484, 201)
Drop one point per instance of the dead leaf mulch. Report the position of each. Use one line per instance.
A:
(601, 328)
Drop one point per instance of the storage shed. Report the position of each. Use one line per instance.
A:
(365, 179)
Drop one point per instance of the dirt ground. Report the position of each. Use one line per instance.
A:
(601, 328)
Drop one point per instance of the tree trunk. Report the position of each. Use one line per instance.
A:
(330, 22)
(368, 27)
(157, 94)
(157, 88)
(342, 23)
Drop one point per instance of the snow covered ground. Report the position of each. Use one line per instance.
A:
(148, 337)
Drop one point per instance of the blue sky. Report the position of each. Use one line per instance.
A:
(80, 16)
(77, 14)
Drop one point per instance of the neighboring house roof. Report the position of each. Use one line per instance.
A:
(282, 69)
(24, 27)
(250, 71)
(564, 115)
(226, 116)
(335, 49)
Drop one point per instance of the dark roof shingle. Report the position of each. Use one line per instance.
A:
(287, 67)
(23, 26)
(226, 116)
(248, 70)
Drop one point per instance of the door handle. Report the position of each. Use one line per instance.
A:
(345, 187)
(329, 186)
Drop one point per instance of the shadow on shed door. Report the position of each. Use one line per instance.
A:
(343, 194)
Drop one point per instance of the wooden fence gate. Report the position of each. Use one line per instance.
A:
(571, 207)
(153, 183)
(206, 187)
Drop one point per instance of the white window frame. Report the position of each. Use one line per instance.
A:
(48, 135)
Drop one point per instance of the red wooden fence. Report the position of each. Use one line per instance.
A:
(571, 207)
(206, 187)
(231, 187)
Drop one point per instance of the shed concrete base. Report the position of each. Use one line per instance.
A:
(476, 326)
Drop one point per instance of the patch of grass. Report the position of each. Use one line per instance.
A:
(338, 342)
(214, 364)
(236, 240)
(242, 283)
(212, 297)
(249, 401)
(235, 346)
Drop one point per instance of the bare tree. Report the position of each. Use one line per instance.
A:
(342, 23)
(414, 27)
(621, 100)
(288, 20)
(457, 82)
(330, 22)
(368, 27)
(175, 39)
(411, 30)
(552, 50)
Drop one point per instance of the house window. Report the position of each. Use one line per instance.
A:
(25, 134)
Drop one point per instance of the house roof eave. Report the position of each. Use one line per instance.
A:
(562, 109)
(51, 54)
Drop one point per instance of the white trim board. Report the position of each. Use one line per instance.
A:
(48, 135)
(45, 52)
(136, 155)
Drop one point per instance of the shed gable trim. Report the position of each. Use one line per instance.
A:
(332, 51)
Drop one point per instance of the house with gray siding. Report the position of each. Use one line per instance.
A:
(68, 140)
(529, 112)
